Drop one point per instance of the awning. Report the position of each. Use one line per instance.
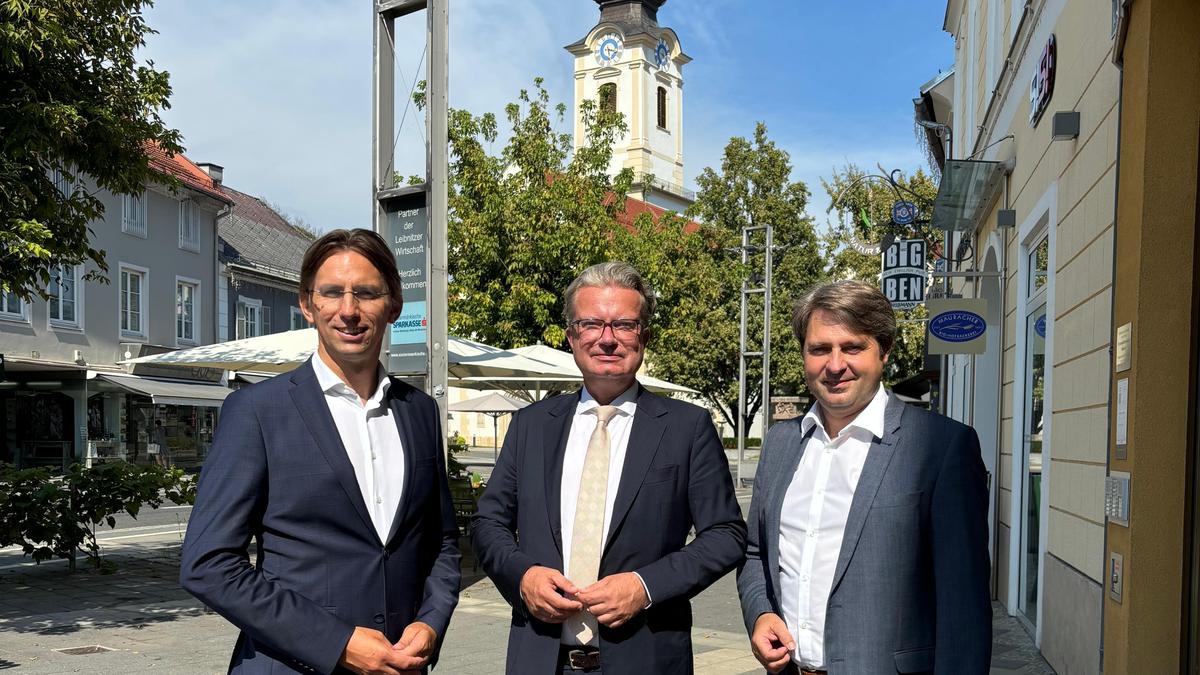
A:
(252, 378)
(968, 190)
(170, 392)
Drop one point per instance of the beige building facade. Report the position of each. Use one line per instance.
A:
(1039, 248)
(629, 63)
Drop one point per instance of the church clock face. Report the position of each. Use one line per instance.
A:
(662, 54)
(608, 51)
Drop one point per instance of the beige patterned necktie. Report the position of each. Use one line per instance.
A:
(587, 538)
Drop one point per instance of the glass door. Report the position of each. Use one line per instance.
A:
(1031, 499)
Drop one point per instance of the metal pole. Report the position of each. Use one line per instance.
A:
(740, 415)
(436, 121)
(766, 342)
(383, 113)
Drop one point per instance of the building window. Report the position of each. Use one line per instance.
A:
(298, 320)
(249, 318)
(63, 182)
(186, 292)
(133, 301)
(12, 306)
(189, 229)
(608, 97)
(1039, 264)
(64, 296)
(133, 214)
(662, 108)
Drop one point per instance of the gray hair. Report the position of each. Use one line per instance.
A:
(859, 306)
(615, 273)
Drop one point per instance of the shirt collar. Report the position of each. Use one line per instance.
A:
(626, 403)
(332, 384)
(869, 420)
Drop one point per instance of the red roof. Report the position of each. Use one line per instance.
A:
(190, 175)
(635, 207)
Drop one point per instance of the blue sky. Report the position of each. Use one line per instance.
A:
(279, 93)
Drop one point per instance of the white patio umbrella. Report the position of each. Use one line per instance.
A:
(493, 405)
(281, 352)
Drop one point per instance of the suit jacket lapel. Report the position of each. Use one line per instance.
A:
(792, 452)
(310, 401)
(554, 445)
(406, 423)
(878, 458)
(648, 428)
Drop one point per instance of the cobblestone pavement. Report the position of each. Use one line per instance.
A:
(144, 623)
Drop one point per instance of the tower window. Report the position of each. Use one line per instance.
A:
(608, 97)
(662, 108)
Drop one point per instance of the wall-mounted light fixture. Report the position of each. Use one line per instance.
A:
(1065, 126)
(1006, 218)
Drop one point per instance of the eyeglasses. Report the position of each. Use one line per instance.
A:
(361, 295)
(595, 327)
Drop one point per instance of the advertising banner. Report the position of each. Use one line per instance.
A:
(406, 230)
(902, 278)
(956, 326)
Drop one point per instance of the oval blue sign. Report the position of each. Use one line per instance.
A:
(957, 326)
(904, 213)
(1040, 326)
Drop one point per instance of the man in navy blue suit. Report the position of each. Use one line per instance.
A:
(337, 469)
(584, 525)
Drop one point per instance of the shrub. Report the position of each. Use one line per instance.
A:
(51, 516)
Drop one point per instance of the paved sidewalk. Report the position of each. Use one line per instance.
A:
(146, 624)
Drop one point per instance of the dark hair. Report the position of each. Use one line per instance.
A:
(366, 243)
(857, 305)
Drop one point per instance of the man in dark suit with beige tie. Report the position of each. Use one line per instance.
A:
(584, 523)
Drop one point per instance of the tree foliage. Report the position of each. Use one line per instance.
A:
(702, 277)
(525, 222)
(55, 516)
(864, 209)
(74, 102)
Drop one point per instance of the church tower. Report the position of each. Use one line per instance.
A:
(629, 62)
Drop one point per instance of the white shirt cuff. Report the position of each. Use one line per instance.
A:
(649, 600)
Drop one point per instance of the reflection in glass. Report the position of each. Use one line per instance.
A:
(1035, 379)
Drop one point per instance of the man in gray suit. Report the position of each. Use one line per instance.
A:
(867, 548)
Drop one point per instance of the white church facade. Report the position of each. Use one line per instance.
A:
(631, 64)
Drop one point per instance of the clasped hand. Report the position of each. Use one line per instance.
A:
(370, 653)
(551, 597)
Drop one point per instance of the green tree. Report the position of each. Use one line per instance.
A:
(864, 209)
(525, 222)
(701, 277)
(74, 102)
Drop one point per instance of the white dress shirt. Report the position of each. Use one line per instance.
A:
(813, 520)
(582, 426)
(372, 441)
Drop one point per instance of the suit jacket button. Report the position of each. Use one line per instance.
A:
(378, 618)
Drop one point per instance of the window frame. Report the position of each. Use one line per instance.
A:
(20, 316)
(610, 103)
(143, 332)
(296, 319)
(189, 219)
(194, 284)
(240, 317)
(661, 107)
(134, 213)
(75, 324)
